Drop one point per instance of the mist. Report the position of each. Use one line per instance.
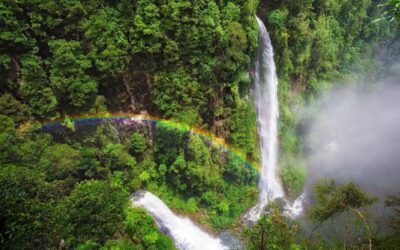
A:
(354, 135)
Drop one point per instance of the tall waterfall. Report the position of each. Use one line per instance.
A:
(184, 233)
(266, 102)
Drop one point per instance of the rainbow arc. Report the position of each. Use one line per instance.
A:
(127, 118)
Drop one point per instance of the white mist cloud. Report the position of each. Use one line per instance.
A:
(356, 137)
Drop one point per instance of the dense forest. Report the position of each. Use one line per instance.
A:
(68, 186)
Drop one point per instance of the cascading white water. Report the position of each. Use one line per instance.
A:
(266, 99)
(185, 234)
(266, 102)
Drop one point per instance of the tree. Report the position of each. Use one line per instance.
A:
(93, 211)
(272, 232)
(27, 217)
(9, 106)
(147, 32)
(242, 124)
(333, 200)
(177, 173)
(294, 176)
(138, 143)
(198, 152)
(141, 229)
(326, 47)
(235, 43)
(12, 35)
(30, 148)
(236, 171)
(391, 239)
(231, 12)
(90, 166)
(68, 74)
(60, 162)
(116, 157)
(121, 165)
(169, 143)
(35, 87)
(107, 40)
(173, 91)
(393, 10)
(394, 203)
(7, 139)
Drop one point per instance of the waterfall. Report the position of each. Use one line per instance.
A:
(185, 234)
(266, 103)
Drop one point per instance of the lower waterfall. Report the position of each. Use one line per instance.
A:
(186, 235)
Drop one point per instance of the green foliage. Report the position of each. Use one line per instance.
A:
(332, 200)
(198, 152)
(88, 245)
(29, 151)
(242, 124)
(315, 42)
(294, 178)
(392, 239)
(144, 176)
(147, 30)
(107, 40)
(117, 158)
(90, 166)
(189, 116)
(94, 211)
(9, 106)
(236, 172)
(231, 12)
(105, 134)
(191, 205)
(168, 143)
(25, 212)
(139, 143)
(272, 232)
(394, 203)
(185, 60)
(7, 139)
(68, 75)
(100, 105)
(197, 176)
(59, 162)
(392, 10)
(235, 42)
(59, 55)
(175, 90)
(35, 87)
(12, 35)
(141, 229)
(176, 173)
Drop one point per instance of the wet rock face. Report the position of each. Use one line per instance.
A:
(231, 241)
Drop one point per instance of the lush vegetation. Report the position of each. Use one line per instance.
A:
(317, 43)
(68, 186)
(392, 10)
(175, 59)
(343, 207)
(180, 60)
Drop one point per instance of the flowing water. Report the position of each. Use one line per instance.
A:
(185, 234)
(266, 102)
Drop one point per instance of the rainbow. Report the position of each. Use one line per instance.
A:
(79, 120)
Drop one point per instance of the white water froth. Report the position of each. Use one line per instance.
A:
(266, 102)
(186, 235)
